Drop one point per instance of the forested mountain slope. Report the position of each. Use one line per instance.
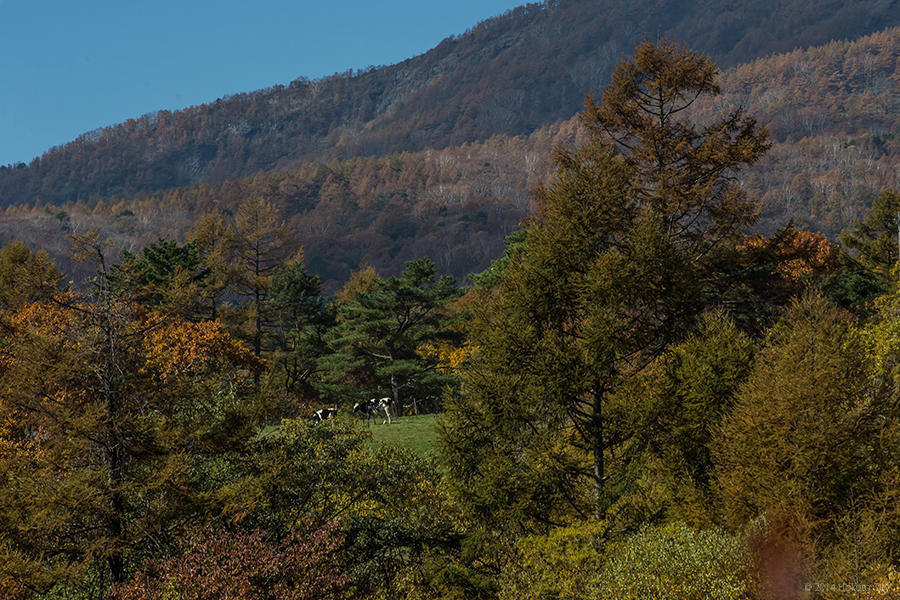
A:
(833, 112)
(509, 75)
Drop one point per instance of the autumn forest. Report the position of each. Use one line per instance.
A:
(640, 329)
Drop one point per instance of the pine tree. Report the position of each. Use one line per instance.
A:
(300, 319)
(876, 239)
(380, 330)
(164, 274)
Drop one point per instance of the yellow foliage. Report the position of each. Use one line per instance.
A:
(562, 564)
(448, 357)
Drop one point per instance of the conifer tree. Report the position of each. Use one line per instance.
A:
(876, 239)
(379, 332)
(163, 274)
(26, 276)
(618, 265)
(261, 244)
(106, 413)
(808, 436)
(300, 320)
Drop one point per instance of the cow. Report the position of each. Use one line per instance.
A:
(324, 414)
(368, 408)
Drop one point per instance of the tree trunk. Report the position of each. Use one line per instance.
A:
(395, 392)
(115, 461)
(597, 448)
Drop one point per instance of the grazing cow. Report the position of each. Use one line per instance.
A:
(368, 408)
(323, 414)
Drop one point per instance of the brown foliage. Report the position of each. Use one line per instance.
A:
(245, 566)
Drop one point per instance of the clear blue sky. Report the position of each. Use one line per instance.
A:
(68, 67)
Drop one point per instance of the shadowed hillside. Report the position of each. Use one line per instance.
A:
(832, 111)
(509, 75)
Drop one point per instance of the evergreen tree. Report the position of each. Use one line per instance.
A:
(876, 238)
(164, 273)
(300, 319)
(379, 333)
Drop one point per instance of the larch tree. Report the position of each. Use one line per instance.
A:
(812, 437)
(26, 276)
(618, 264)
(261, 244)
(107, 412)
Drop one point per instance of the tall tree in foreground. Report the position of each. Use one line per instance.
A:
(106, 413)
(261, 244)
(616, 267)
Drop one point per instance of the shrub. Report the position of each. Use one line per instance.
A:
(675, 562)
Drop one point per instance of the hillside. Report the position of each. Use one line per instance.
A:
(833, 112)
(509, 75)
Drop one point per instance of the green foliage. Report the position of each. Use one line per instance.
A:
(396, 518)
(164, 273)
(805, 438)
(561, 565)
(26, 276)
(379, 333)
(299, 319)
(101, 435)
(876, 238)
(607, 280)
(493, 275)
(668, 419)
(675, 562)
(853, 288)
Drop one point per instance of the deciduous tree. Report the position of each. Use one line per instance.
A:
(618, 265)
(108, 411)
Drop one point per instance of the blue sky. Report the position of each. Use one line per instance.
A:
(70, 67)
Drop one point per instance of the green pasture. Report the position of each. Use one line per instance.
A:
(416, 432)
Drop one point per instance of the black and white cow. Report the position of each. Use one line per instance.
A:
(369, 408)
(324, 414)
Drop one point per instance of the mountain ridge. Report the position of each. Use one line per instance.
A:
(508, 75)
(833, 112)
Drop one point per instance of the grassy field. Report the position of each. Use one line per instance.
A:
(417, 433)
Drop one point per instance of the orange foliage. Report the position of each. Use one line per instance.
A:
(48, 318)
(795, 254)
(180, 347)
